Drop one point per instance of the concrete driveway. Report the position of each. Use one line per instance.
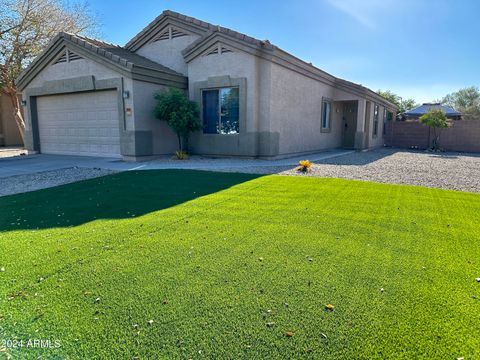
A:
(38, 163)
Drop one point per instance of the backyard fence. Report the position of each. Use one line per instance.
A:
(463, 135)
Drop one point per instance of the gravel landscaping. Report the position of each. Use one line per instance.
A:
(453, 171)
(41, 180)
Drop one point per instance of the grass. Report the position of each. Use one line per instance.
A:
(226, 264)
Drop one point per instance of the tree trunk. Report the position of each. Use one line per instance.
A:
(17, 111)
(185, 143)
(179, 142)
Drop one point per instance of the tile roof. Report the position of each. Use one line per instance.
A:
(116, 53)
(208, 29)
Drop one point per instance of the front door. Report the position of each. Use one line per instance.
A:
(349, 124)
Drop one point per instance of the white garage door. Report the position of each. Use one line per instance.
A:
(79, 124)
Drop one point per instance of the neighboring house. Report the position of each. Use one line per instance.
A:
(87, 97)
(9, 133)
(415, 113)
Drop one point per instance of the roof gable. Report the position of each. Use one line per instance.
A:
(157, 27)
(110, 55)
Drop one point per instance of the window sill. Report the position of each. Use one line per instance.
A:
(326, 130)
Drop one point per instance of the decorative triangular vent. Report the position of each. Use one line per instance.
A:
(163, 36)
(213, 51)
(72, 56)
(169, 33)
(67, 56)
(225, 50)
(177, 33)
(61, 59)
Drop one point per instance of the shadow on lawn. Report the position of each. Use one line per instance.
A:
(122, 195)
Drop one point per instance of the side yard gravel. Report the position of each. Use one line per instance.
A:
(453, 171)
(41, 180)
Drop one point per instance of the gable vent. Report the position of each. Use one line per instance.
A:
(61, 59)
(163, 36)
(72, 56)
(225, 50)
(177, 33)
(67, 56)
(169, 33)
(213, 51)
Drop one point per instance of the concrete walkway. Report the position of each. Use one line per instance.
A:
(41, 162)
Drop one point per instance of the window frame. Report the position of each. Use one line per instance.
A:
(219, 115)
(328, 128)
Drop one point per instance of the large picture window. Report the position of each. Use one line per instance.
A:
(326, 115)
(221, 111)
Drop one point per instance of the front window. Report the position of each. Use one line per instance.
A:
(221, 111)
(375, 120)
(326, 115)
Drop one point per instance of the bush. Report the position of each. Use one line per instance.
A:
(180, 113)
(437, 120)
(304, 166)
(181, 155)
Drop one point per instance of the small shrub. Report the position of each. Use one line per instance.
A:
(181, 155)
(437, 120)
(304, 166)
(180, 113)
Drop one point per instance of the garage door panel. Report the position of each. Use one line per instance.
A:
(79, 124)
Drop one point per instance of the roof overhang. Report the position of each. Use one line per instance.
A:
(269, 52)
(101, 56)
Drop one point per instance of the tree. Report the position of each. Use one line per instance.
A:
(437, 120)
(465, 100)
(26, 27)
(180, 113)
(402, 105)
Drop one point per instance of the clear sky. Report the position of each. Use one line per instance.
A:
(417, 48)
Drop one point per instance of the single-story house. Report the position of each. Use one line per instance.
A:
(9, 133)
(415, 113)
(87, 97)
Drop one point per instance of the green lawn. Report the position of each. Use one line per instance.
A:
(226, 264)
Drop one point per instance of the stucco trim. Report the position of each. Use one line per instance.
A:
(217, 82)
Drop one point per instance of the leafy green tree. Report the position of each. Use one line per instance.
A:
(402, 105)
(26, 27)
(180, 113)
(437, 120)
(465, 100)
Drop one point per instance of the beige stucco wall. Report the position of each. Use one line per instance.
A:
(296, 112)
(164, 139)
(168, 52)
(236, 65)
(78, 68)
(72, 69)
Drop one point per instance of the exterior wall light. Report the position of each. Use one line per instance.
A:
(24, 102)
(126, 94)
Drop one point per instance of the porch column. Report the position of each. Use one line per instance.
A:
(360, 133)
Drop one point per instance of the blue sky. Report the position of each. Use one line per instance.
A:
(417, 48)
